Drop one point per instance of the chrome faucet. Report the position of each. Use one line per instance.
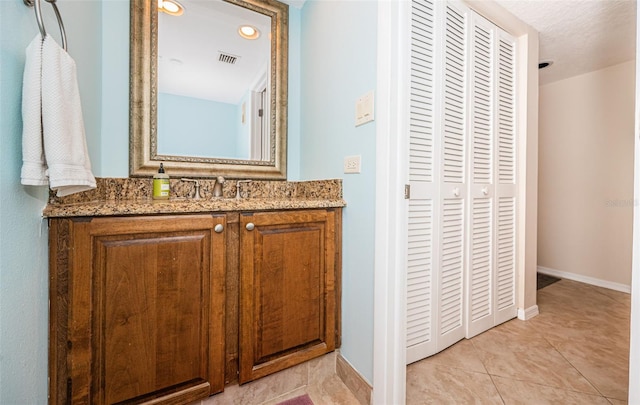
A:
(196, 194)
(238, 187)
(217, 187)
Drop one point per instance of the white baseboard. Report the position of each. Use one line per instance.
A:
(585, 279)
(526, 314)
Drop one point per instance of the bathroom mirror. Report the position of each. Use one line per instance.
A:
(185, 113)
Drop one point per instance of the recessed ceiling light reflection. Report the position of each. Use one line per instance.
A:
(171, 7)
(248, 32)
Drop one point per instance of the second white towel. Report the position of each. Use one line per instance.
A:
(34, 166)
(63, 139)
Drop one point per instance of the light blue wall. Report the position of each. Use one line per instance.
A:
(84, 45)
(23, 242)
(338, 65)
(114, 151)
(23, 233)
(203, 127)
(98, 34)
(294, 131)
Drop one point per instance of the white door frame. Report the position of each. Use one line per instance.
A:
(634, 350)
(389, 332)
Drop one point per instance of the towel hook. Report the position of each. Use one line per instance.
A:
(36, 5)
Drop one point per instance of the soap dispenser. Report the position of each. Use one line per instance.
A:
(161, 184)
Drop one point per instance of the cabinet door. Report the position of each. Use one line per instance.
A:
(146, 305)
(287, 297)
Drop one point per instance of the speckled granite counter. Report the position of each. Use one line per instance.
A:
(127, 196)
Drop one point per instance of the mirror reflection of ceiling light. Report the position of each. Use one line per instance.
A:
(171, 7)
(248, 32)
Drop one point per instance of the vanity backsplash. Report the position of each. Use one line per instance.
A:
(128, 196)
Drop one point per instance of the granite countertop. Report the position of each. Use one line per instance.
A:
(114, 197)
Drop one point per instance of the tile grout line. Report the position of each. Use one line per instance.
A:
(497, 389)
(598, 394)
(574, 367)
(476, 351)
(283, 396)
(541, 335)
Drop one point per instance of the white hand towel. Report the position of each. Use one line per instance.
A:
(64, 137)
(66, 158)
(33, 162)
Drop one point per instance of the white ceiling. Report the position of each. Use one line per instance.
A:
(579, 36)
(189, 46)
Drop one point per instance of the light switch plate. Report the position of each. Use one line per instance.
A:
(364, 109)
(352, 164)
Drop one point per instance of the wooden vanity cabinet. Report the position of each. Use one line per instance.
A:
(287, 289)
(167, 309)
(137, 309)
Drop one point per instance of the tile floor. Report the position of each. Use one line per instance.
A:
(575, 352)
(317, 378)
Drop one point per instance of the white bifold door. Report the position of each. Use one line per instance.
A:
(462, 176)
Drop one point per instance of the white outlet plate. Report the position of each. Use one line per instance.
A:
(352, 164)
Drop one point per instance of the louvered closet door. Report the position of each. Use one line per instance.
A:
(461, 261)
(505, 180)
(422, 174)
(480, 235)
(453, 155)
(491, 271)
(437, 174)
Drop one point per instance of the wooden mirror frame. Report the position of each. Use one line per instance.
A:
(143, 157)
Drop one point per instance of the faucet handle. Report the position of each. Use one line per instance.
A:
(238, 186)
(196, 195)
(217, 186)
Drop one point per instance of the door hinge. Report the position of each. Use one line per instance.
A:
(407, 191)
(260, 112)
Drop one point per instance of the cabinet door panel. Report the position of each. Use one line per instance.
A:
(152, 312)
(145, 314)
(289, 280)
(287, 300)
